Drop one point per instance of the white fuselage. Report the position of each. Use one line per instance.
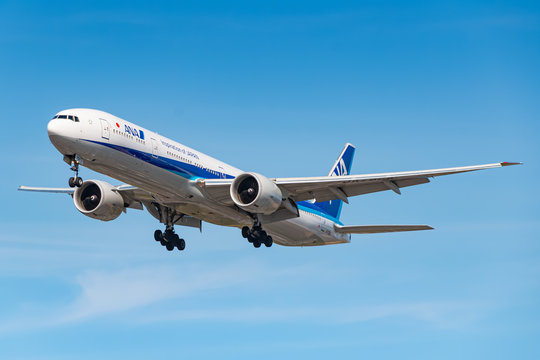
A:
(169, 171)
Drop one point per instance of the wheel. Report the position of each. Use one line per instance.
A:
(250, 238)
(176, 241)
(71, 182)
(163, 242)
(181, 245)
(169, 246)
(78, 182)
(169, 235)
(257, 243)
(158, 235)
(268, 241)
(245, 232)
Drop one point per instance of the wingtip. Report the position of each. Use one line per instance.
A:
(506, 163)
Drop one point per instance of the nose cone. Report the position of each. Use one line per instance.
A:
(54, 127)
(62, 134)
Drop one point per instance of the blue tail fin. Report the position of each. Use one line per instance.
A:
(341, 167)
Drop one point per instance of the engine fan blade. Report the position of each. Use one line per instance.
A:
(248, 195)
(91, 202)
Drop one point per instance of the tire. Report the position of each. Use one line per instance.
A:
(78, 182)
(245, 232)
(169, 246)
(268, 241)
(71, 182)
(181, 245)
(158, 235)
(257, 243)
(169, 235)
(250, 238)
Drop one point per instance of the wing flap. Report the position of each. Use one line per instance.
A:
(358, 189)
(378, 229)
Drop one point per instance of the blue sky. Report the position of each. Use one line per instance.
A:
(278, 88)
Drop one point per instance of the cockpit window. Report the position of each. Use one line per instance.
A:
(69, 117)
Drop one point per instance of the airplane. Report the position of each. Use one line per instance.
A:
(181, 186)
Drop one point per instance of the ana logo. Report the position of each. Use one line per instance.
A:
(134, 132)
(340, 169)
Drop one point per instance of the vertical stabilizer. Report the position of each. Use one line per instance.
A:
(341, 167)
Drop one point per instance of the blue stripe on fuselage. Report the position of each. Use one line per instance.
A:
(183, 169)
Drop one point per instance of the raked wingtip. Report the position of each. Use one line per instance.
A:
(506, 163)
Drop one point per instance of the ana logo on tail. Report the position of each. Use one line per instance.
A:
(340, 169)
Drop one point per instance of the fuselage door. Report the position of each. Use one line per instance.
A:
(155, 148)
(105, 129)
(221, 172)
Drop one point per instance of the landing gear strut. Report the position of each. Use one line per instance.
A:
(257, 236)
(75, 181)
(169, 238)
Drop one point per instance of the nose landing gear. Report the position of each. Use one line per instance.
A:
(75, 181)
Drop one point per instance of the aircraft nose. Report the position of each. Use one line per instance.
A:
(54, 127)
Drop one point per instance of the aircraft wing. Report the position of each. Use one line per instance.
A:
(68, 191)
(132, 195)
(324, 188)
(134, 198)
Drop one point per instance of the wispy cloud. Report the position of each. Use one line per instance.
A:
(106, 292)
(134, 291)
(116, 292)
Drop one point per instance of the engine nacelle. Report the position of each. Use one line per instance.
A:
(98, 200)
(256, 193)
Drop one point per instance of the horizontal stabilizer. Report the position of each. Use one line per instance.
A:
(376, 229)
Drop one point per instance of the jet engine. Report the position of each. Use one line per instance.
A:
(98, 200)
(256, 193)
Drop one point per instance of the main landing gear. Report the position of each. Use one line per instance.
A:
(169, 238)
(75, 181)
(257, 236)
